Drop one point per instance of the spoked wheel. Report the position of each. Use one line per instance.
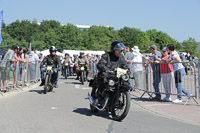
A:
(121, 106)
(82, 78)
(92, 108)
(65, 73)
(46, 85)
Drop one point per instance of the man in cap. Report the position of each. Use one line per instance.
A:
(82, 59)
(156, 71)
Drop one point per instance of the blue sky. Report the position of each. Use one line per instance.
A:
(178, 18)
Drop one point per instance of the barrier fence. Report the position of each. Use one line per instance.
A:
(154, 78)
(146, 79)
(92, 69)
(18, 74)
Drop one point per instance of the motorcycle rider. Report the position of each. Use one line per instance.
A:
(53, 60)
(66, 63)
(82, 59)
(110, 61)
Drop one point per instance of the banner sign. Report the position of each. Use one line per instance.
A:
(1, 24)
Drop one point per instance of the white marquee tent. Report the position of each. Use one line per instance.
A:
(46, 52)
(72, 52)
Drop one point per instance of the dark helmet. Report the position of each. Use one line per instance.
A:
(117, 45)
(82, 52)
(14, 47)
(52, 48)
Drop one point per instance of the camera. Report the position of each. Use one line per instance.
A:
(152, 58)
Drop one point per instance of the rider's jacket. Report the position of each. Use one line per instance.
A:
(81, 60)
(109, 61)
(51, 60)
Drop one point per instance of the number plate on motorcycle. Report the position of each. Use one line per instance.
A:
(82, 68)
(49, 68)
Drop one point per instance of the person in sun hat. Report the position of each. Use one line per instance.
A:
(137, 67)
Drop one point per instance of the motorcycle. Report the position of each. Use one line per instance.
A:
(82, 72)
(115, 98)
(48, 86)
(66, 70)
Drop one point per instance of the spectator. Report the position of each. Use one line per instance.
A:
(24, 57)
(178, 73)
(128, 58)
(166, 74)
(156, 71)
(33, 58)
(146, 59)
(137, 67)
(5, 67)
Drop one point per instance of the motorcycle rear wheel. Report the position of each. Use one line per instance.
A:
(121, 106)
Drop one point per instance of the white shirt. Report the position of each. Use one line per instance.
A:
(178, 65)
(137, 64)
(33, 58)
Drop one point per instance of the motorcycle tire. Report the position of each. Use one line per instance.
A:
(115, 106)
(92, 108)
(82, 78)
(51, 89)
(46, 85)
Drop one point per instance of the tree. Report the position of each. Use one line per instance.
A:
(190, 46)
(161, 39)
(23, 30)
(134, 37)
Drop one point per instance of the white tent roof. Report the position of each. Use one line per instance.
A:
(46, 52)
(72, 52)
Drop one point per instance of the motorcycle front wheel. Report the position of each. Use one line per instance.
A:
(82, 78)
(46, 85)
(92, 108)
(121, 106)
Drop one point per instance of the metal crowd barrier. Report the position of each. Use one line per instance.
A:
(18, 74)
(92, 70)
(145, 79)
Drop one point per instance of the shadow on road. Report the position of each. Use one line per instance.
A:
(75, 83)
(37, 91)
(67, 78)
(87, 112)
(136, 98)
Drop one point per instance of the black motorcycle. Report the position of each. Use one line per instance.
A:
(115, 98)
(48, 86)
(66, 70)
(82, 73)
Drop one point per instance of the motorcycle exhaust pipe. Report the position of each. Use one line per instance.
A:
(106, 102)
(92, 102)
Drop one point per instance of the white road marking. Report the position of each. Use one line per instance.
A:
(77, 86)
(54, 108)
(150, 105)
(86, 88)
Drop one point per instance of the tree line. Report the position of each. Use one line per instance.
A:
(69, 37)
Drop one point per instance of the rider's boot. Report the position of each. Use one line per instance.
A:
(43, 82)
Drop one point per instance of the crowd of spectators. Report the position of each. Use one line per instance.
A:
(13, 57)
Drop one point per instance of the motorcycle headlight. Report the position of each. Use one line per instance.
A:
(125, 77)
(111, 83)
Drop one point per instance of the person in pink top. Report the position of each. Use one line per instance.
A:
(166, 71)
